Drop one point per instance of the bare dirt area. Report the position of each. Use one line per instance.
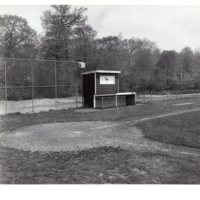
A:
(70, 136)
(104, 146)
(25, 106)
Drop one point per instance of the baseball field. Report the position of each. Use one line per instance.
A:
(157, 142)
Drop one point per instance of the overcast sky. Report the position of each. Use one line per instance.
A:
(171, 27)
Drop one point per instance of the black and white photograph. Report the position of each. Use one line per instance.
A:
(99, 94)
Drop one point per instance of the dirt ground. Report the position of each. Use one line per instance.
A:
(25, 106)
(104, 146)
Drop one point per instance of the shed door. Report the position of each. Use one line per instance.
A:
(88, 89)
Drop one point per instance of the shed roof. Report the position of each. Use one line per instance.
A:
(102, 71)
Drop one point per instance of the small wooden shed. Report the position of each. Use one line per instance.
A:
(101, 90)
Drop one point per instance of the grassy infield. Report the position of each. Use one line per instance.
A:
(107, 164)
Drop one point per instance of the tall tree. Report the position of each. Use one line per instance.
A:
(186, 61)
(83, 41)
(59, 24)
(142, 56)
(15, 33)
(196, 69)
(167, 64)
(108, 52)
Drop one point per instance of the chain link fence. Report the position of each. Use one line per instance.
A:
(30, 85)
(33, 85)
(149, 96)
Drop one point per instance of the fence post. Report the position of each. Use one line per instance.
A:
(5, 84)
(55, 69)
(32, 89)
(167, 96)
(76, 87)
(144, 94)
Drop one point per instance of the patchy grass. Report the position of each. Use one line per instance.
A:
(12, 121)
(97, 165)
(107, 164)
(182, 129)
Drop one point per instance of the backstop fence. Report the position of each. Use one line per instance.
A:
(34, 85)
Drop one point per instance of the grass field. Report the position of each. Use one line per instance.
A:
(181, 130)
(166, 149)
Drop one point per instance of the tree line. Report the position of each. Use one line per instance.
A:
(68, 36)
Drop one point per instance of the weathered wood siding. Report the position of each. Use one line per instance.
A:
(106, 102)
(111, 101)
(106, 89)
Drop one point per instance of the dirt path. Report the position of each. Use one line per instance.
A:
(147, 118)
(53, 154)
(73, 136)
(154, 145)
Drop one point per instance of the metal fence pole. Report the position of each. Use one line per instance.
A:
(76, 87)
(144, 95)
(6, 92)
(32, 88)
(167, 96)
(81, 89)
(55, 84)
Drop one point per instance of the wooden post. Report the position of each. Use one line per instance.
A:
(167, 95)
(94, 101)
(76, 95)
(6, 92)
(101, 101)
(82, 98)
(32, 90)
(55, 69)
